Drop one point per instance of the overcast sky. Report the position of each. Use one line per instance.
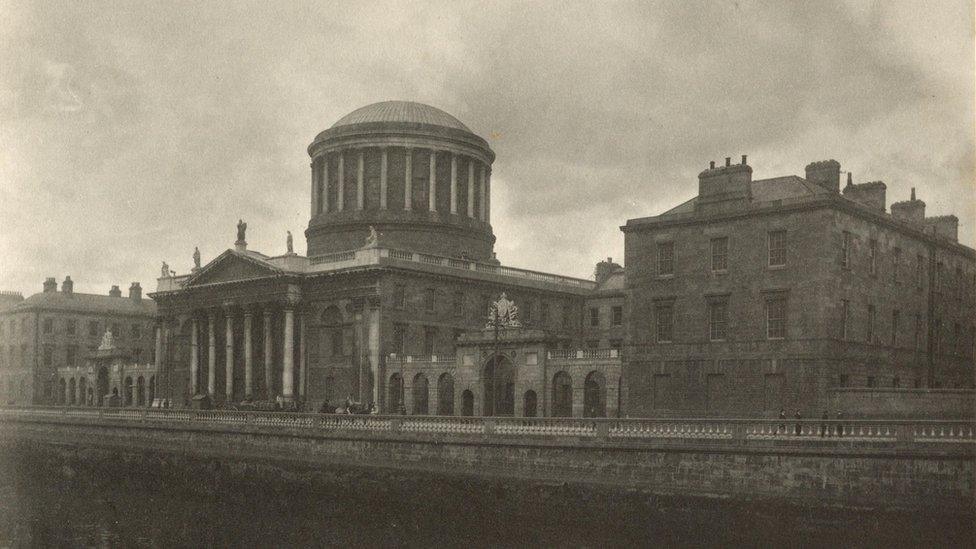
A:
(130, 133)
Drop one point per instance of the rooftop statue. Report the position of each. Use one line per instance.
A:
(196, 257)
(288, 243)
(241, 229)
(373, 239)
(108, 341)
(504, 313)
(164, 270)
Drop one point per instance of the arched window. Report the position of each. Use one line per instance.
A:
(421, 392)
(83, 391)
(595, 395)
(141, 391)
(152, 388)
(445, 395)
(395, 402)
(72, 391)
(467, 403)
(562, 395)
(127, 396)
(530, 402)
(62, 390)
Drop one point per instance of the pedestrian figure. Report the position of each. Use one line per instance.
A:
(782, 420)
(824, 431)
(798, 418)
(839, 428)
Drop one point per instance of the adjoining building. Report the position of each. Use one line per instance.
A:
(55, 329)
(390, 305)
(109, 377)
(790, 292)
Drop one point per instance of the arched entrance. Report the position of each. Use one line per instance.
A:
(72, 391)
(420, 394)
(562, 395)
(101, 385)
(83, 391)
(62, 390)
(152, 389)
(445, 395)
(127, 397)
(530, 402)
(467, 403)
(499, 387)
(395, 402)
(141, 391)
(595, 395)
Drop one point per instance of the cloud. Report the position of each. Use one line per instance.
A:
(133, 133)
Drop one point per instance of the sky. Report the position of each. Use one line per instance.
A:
(131, 132)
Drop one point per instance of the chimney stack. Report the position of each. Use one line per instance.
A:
(67, 287)
(711, 165)
(825, 173)
(135, 292)
(115, 292)
(743, 160)
(50, 285)
(912, 210)
(728, 161)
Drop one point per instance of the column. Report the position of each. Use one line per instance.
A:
(408, 181)
(470, 187)
(341, 188)
(212, 358)
(248, 354)
(302, 355)
(481, 187)
(373, 341)
(194, 356)
(288, 370)
(432, 191)
(488, 196)
(383, 183)
(315, 189)
(453, 183)
(229, 357)
(325, 183)
(360, 183)
(268, 355)
(159, 359)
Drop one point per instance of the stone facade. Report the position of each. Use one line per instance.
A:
(61, 329)
(761, 295)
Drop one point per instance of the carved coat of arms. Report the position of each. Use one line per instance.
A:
(504, 312)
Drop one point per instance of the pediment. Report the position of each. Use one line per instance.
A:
(230, 267)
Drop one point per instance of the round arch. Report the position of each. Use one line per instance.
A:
(499, 379)
(83, 390)
(467, 403)
(562, 395)
(140, 391)
(127, 392)
(421, 395)
(72, 391)
(445, 395)
(595, 395)
(101, 385)
(395, 401)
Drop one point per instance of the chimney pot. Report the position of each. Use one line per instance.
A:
(849, 179)
(913, 193)
(728, 161)
(115, 291)
(67, 286)
(743, 160)
(135, 291)
(711, 165)
(50, 284)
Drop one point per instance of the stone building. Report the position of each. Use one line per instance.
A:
(108, 377)
(761, 294)
(390, 304)
(55, 329)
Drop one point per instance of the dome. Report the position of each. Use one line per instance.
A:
(401, 111)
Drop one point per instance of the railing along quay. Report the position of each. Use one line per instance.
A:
(691, 429)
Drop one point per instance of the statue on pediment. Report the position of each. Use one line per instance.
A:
(164, 271)
(503, 313)
(108, 341)
(241, 229)
(196, 257)
(289, 243)
(373, 238)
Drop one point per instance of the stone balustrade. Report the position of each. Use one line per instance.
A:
(582, 354)
(631, 430)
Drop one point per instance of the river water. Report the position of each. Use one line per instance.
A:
(46, 502)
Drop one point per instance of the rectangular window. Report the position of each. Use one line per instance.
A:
(567, 320)
(895, 318)
(399, 296)
(845, 258)
(718, 320)
(664, 318)
(920, 272)
(544, 312)
(871, 382)
(665, 258)
(399, 335)
(70, 355)
(918, 383)
(116, 330)
(337, 346)
(429, 334)
(720, 254)
(526, 312)
(917, 338)
(870, 326)
(844, 380)
(458, 304)
(70, 326)
(136, 331)
(48, 325)
(48, 355)
(896, 382)
(429, 300)
(616, 343)
(845, 311)
(594, 316)
(873, 258)
(93, 328)
(777, 248)
(137, 355)
(776, 317)
(895, 264)
(618, 315)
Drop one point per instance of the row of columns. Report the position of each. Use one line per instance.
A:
(320, 184)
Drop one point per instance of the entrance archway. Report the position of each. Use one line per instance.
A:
(499, 387)
(127, 397)
(395, 402)
(562, 395)
(141, 391)
(467, 403)
(421, 395)
(101, 386)
(595, 395)
(530, 402)
(83, 391)
(72, 392)
(62, 391)
(445, 395)
(152, 388)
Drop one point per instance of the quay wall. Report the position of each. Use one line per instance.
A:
(884, 465)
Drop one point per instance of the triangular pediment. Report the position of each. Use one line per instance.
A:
(231, 267)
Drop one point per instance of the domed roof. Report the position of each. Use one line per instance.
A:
(401, 111)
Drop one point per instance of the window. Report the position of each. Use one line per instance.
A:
(399, 296)
(116, 330)
(399, 335)
(70, 355)
(845, 258)
(896, 382)
(895, 317)
(526, 312)
(567, 320)
(48, 355)
(870, 327)
(777, 248)
(136, 331)
(616, 344)
(93, 328)
(844, 380)
(48, 326)
(956, 340)
(429, 334)
(458, 304)
(845, 311)
(544, 312)
(137, 355)
(618, 315)
(664, 317)
(920, 272)
(895, 263)
(937, 336)
(871, 382)
(720, 254)
(917, 338)
(429, 297)
(918, 383)
(665, 258)
(776, 317)
(593, 344)
(70, 326)
(718, 320)
(873, 258)
(337, 345)
(594, 316)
